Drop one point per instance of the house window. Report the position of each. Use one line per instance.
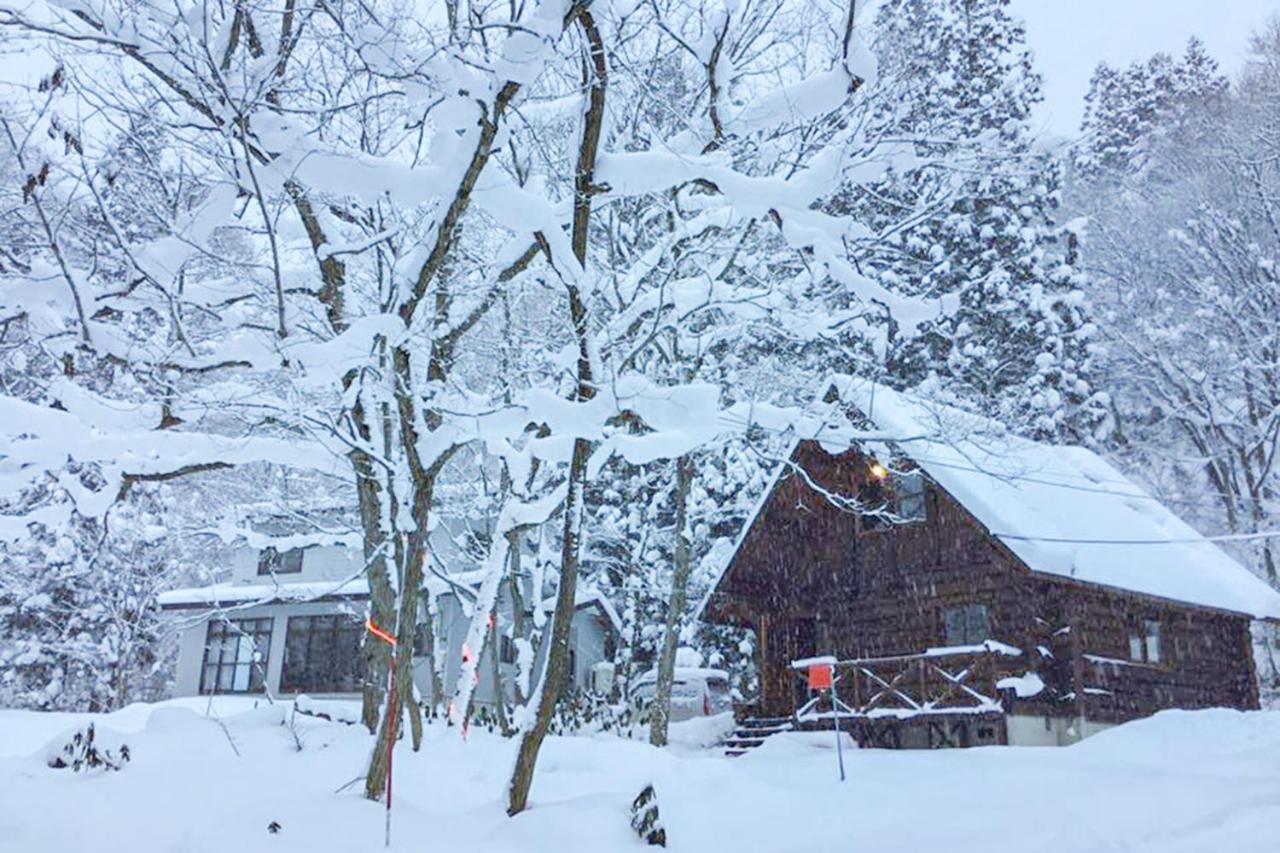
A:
(1144, 644)
(506, 650)
(1152, 640)
(273, 562)
(235, 656)
(322, 654)
(966, 625)
(909, 489)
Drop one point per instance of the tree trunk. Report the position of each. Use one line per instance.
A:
(661, 712)
(558, 654)
(381, 597)
(595, 75)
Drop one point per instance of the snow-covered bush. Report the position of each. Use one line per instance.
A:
(83, 752)
(584, 712)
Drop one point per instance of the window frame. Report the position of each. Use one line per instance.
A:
(1143, 632)
(506, 649)
(324, 638)
(229, 635)
(274, 562)
(965, 614)
(918, 496)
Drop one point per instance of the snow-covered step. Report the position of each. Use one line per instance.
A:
(752, 732)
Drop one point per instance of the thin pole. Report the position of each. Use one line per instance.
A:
(391, 744)
(388, 638)
(835, 716)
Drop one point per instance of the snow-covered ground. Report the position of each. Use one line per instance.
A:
(1178, 783)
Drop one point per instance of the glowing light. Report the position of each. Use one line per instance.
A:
(878, 471)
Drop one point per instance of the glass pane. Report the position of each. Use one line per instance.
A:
(1135, 647)
(910, 489)
(1153, 641)
(977, 628)
(243, 649)
(953, 623)
(295, 653)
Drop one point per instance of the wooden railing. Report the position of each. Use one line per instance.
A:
(954, 680)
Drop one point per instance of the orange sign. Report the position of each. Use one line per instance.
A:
(820, 676)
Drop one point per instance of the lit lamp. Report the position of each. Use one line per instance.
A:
(878, 471)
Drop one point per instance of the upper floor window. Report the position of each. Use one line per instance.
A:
(966, 625)
(888, 497)
(273, 562)
(1144, 642)
(909, 489)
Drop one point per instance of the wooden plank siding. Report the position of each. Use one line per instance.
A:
(815, 578)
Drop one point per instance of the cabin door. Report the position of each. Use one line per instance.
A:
(785, 641)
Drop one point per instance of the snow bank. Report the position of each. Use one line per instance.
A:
(1180, 782)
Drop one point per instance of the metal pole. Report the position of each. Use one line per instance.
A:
(835, 716)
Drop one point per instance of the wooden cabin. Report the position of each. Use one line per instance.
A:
(974, 587)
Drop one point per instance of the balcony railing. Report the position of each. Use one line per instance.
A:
(950, 680)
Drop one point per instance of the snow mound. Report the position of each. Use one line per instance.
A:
(786, 745)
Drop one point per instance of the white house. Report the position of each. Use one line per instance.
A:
(292, 622)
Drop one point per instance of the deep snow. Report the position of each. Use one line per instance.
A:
(1180, 782)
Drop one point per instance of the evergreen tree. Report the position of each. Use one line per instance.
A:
(983, 204)
(1127, 110)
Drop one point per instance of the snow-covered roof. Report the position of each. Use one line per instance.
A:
(683, 673)
(590, 598)
(1062, 510)
(264, 593)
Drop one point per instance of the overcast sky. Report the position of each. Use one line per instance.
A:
(1070, 37)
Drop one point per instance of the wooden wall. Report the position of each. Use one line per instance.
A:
(815, 578)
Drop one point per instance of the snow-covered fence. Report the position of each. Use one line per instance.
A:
(949, 680)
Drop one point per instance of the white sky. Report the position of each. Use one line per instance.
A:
(1070, 37)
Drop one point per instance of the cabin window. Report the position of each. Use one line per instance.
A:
(235, 656)
(909, 488)
(873, 506)
(322, 654)
(967, 625)
(1144, 642)
(273, 562)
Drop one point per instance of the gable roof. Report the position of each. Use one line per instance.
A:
(1061, 510)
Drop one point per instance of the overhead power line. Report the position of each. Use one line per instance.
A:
(1225, 537)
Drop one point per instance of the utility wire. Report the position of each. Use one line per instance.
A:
(1139, 495)
(1213, 502)
(1226, 537)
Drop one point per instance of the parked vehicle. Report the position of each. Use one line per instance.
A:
(695, 692)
